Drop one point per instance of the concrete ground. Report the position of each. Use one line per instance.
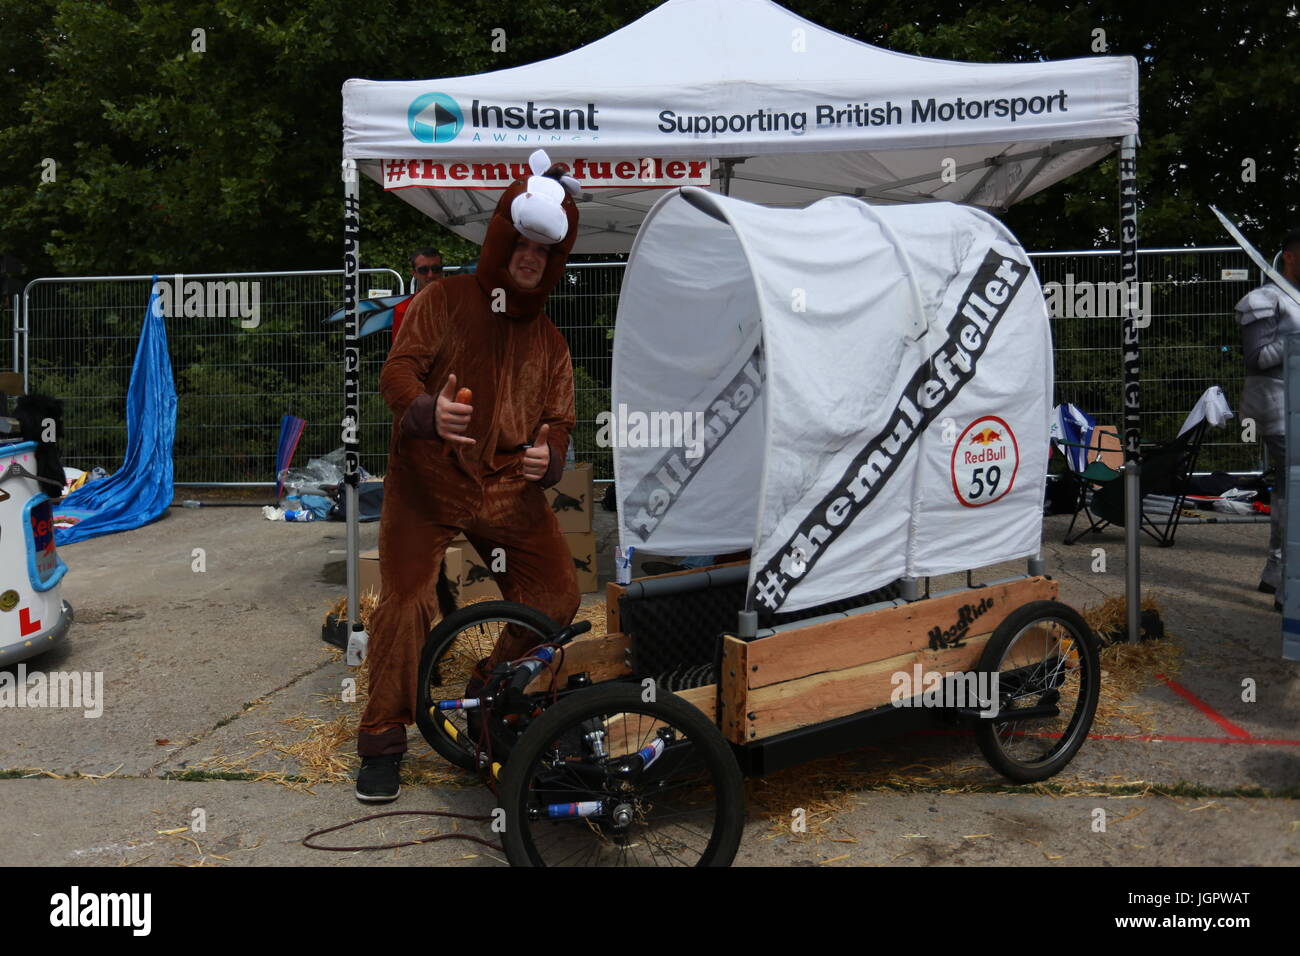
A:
(202, 669)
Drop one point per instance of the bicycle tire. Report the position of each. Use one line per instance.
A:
(450, 651)
(1080, 681)
(575, 714)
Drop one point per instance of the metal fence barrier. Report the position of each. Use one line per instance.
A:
(234, 383)
(236, 374)
(1193, 340)
(8, 335)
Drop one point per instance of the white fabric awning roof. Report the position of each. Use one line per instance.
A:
(856, 392)
(794, 112)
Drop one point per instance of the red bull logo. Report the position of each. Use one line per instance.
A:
(984, 462)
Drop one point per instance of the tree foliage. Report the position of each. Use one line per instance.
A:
(172, 159)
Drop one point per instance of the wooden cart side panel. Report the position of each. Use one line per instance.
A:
(623, 736)
(602, 657)
(734, 695)
(817, 698)
(887, 633)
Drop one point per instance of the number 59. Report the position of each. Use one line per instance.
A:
(993, 475)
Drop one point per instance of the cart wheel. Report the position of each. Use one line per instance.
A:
(454, 646)
(1046, 659)
(576, 793)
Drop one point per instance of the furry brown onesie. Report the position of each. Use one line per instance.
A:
(517, 365)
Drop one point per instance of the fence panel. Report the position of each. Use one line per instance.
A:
(8, 320)
(233, 382)
(1193, 340)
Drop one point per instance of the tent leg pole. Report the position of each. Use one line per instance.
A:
(357, 637)
(1132, 549)
(1132, 385)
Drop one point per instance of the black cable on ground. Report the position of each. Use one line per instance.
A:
(404, 813)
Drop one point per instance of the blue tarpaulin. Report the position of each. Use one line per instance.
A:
(141, 489)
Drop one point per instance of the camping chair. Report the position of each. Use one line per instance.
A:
(1166, 470)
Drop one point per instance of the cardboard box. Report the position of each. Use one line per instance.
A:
(477, 581)
(570, 498)
(368, 572)
(583, 549)
(370, 579)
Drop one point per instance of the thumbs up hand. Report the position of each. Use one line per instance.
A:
(454, 412)
(538, 458)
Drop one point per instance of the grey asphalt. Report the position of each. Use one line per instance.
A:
(204, 668)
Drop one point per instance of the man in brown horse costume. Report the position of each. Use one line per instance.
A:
(473, 463)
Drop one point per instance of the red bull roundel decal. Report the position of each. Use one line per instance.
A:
(984, 462)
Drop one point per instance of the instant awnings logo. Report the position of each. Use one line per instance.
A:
(437, 118)
(927, 393)
(434, 118)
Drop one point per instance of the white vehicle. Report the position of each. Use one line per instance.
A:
(33, 615)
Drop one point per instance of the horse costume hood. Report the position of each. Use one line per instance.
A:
(542, 209)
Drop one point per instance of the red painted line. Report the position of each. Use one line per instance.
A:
(1204, 708)
(1140, 738)
(1256, 741)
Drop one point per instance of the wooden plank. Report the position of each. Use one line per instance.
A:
(886, 633)
(602, 656)
(628, 733)
(817, 698)
(613, 623)
(735, 690)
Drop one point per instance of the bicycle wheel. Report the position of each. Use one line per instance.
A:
(454, 646)
(585, 786)
(1047, 665)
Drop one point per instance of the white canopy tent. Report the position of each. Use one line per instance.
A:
(779, 110)
(739, 97)
(890, 416)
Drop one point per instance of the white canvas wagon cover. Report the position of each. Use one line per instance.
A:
(874, 385)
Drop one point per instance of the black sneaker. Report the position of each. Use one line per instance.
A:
(1266, 588)
(379, 780)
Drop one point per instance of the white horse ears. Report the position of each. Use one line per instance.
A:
(538, 212)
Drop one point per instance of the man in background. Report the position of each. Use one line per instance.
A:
(1267, 315)
(426, 267)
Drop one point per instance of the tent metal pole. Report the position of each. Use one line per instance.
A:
(1132, 386)
(357, 639)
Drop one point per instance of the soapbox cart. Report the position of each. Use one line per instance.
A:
(873, 414)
